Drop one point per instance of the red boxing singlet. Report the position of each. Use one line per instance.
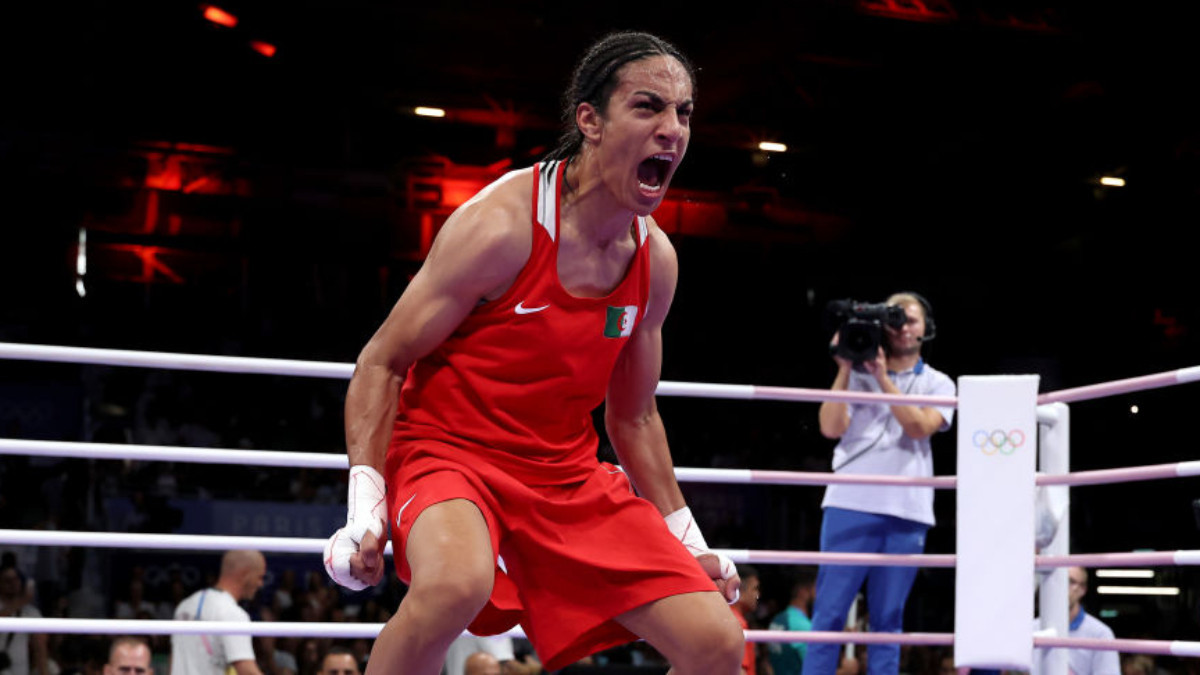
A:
(516, 383)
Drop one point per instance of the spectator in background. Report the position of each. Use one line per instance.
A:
(241, 576)
(743, 609)
(787, 658)
(339, 661)
(273, 656)
(25, 653)
(499, 646)
(1084, 625)
(481, 663)
(129, 656)
(136, 604)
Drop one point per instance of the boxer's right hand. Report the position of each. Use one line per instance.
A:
(354, 554)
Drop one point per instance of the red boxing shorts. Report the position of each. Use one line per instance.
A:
(576, 555)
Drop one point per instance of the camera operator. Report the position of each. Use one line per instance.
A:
(878, 439)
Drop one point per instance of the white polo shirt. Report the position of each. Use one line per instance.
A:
(209, 654)
(875, 443)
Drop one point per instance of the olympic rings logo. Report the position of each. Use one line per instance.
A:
(998, 441)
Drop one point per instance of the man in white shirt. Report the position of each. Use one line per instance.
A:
(241, 576)
(499, 646)
(1084, 625)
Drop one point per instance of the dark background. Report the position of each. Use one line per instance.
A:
(953, 148)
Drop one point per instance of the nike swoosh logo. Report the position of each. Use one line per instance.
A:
(522, 309)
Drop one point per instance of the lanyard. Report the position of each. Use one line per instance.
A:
(200, 608)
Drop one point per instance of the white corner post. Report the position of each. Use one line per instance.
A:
(1054, 506)
(997, 448)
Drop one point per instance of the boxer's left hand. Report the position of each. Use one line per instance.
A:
(718, 566)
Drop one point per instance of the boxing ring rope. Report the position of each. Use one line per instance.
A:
(310, 460)
(1155, 381)
(326, 369)
(246, 365)
(317, 460)
(371, 630)
(221, 542)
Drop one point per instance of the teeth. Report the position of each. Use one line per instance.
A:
(665, 158)
(649, 187)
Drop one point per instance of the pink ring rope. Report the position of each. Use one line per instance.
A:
(371, 630)
(1158, 380)
(683, 474)
(220, 542)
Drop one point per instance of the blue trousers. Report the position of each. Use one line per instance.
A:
(847, 531)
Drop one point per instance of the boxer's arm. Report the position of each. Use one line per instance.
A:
(479, 250)
(636, 429)
(631, 412)
(476, 255)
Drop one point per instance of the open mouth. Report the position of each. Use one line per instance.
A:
(652, 172)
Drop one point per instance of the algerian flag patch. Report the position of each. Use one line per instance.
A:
(619, 321)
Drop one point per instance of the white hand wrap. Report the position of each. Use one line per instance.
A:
(366, 506)
(684, 527)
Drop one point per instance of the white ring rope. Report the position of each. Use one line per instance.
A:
(217, 364)
(371, 630)
(324, 460)
(168, 542)
(1123, 475)
(327, 369)
(1157, 380)
(174, 453)
(170, 627)
(221, 542)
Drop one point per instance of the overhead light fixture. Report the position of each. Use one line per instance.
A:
(429, 112)
(219, 16)
(769, 146)
(1112, 181)
(1137, 590)
(1125, 574)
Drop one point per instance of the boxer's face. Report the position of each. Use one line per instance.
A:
(642, 134)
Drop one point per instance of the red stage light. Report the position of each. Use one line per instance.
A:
(265, 48)
(219, 16)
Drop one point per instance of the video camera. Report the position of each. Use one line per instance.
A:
(860, 327)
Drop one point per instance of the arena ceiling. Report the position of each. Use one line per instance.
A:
(874, 84)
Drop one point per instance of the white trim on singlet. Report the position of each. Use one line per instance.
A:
(547, 207)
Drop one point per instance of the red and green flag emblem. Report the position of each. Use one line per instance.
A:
(620, 320)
